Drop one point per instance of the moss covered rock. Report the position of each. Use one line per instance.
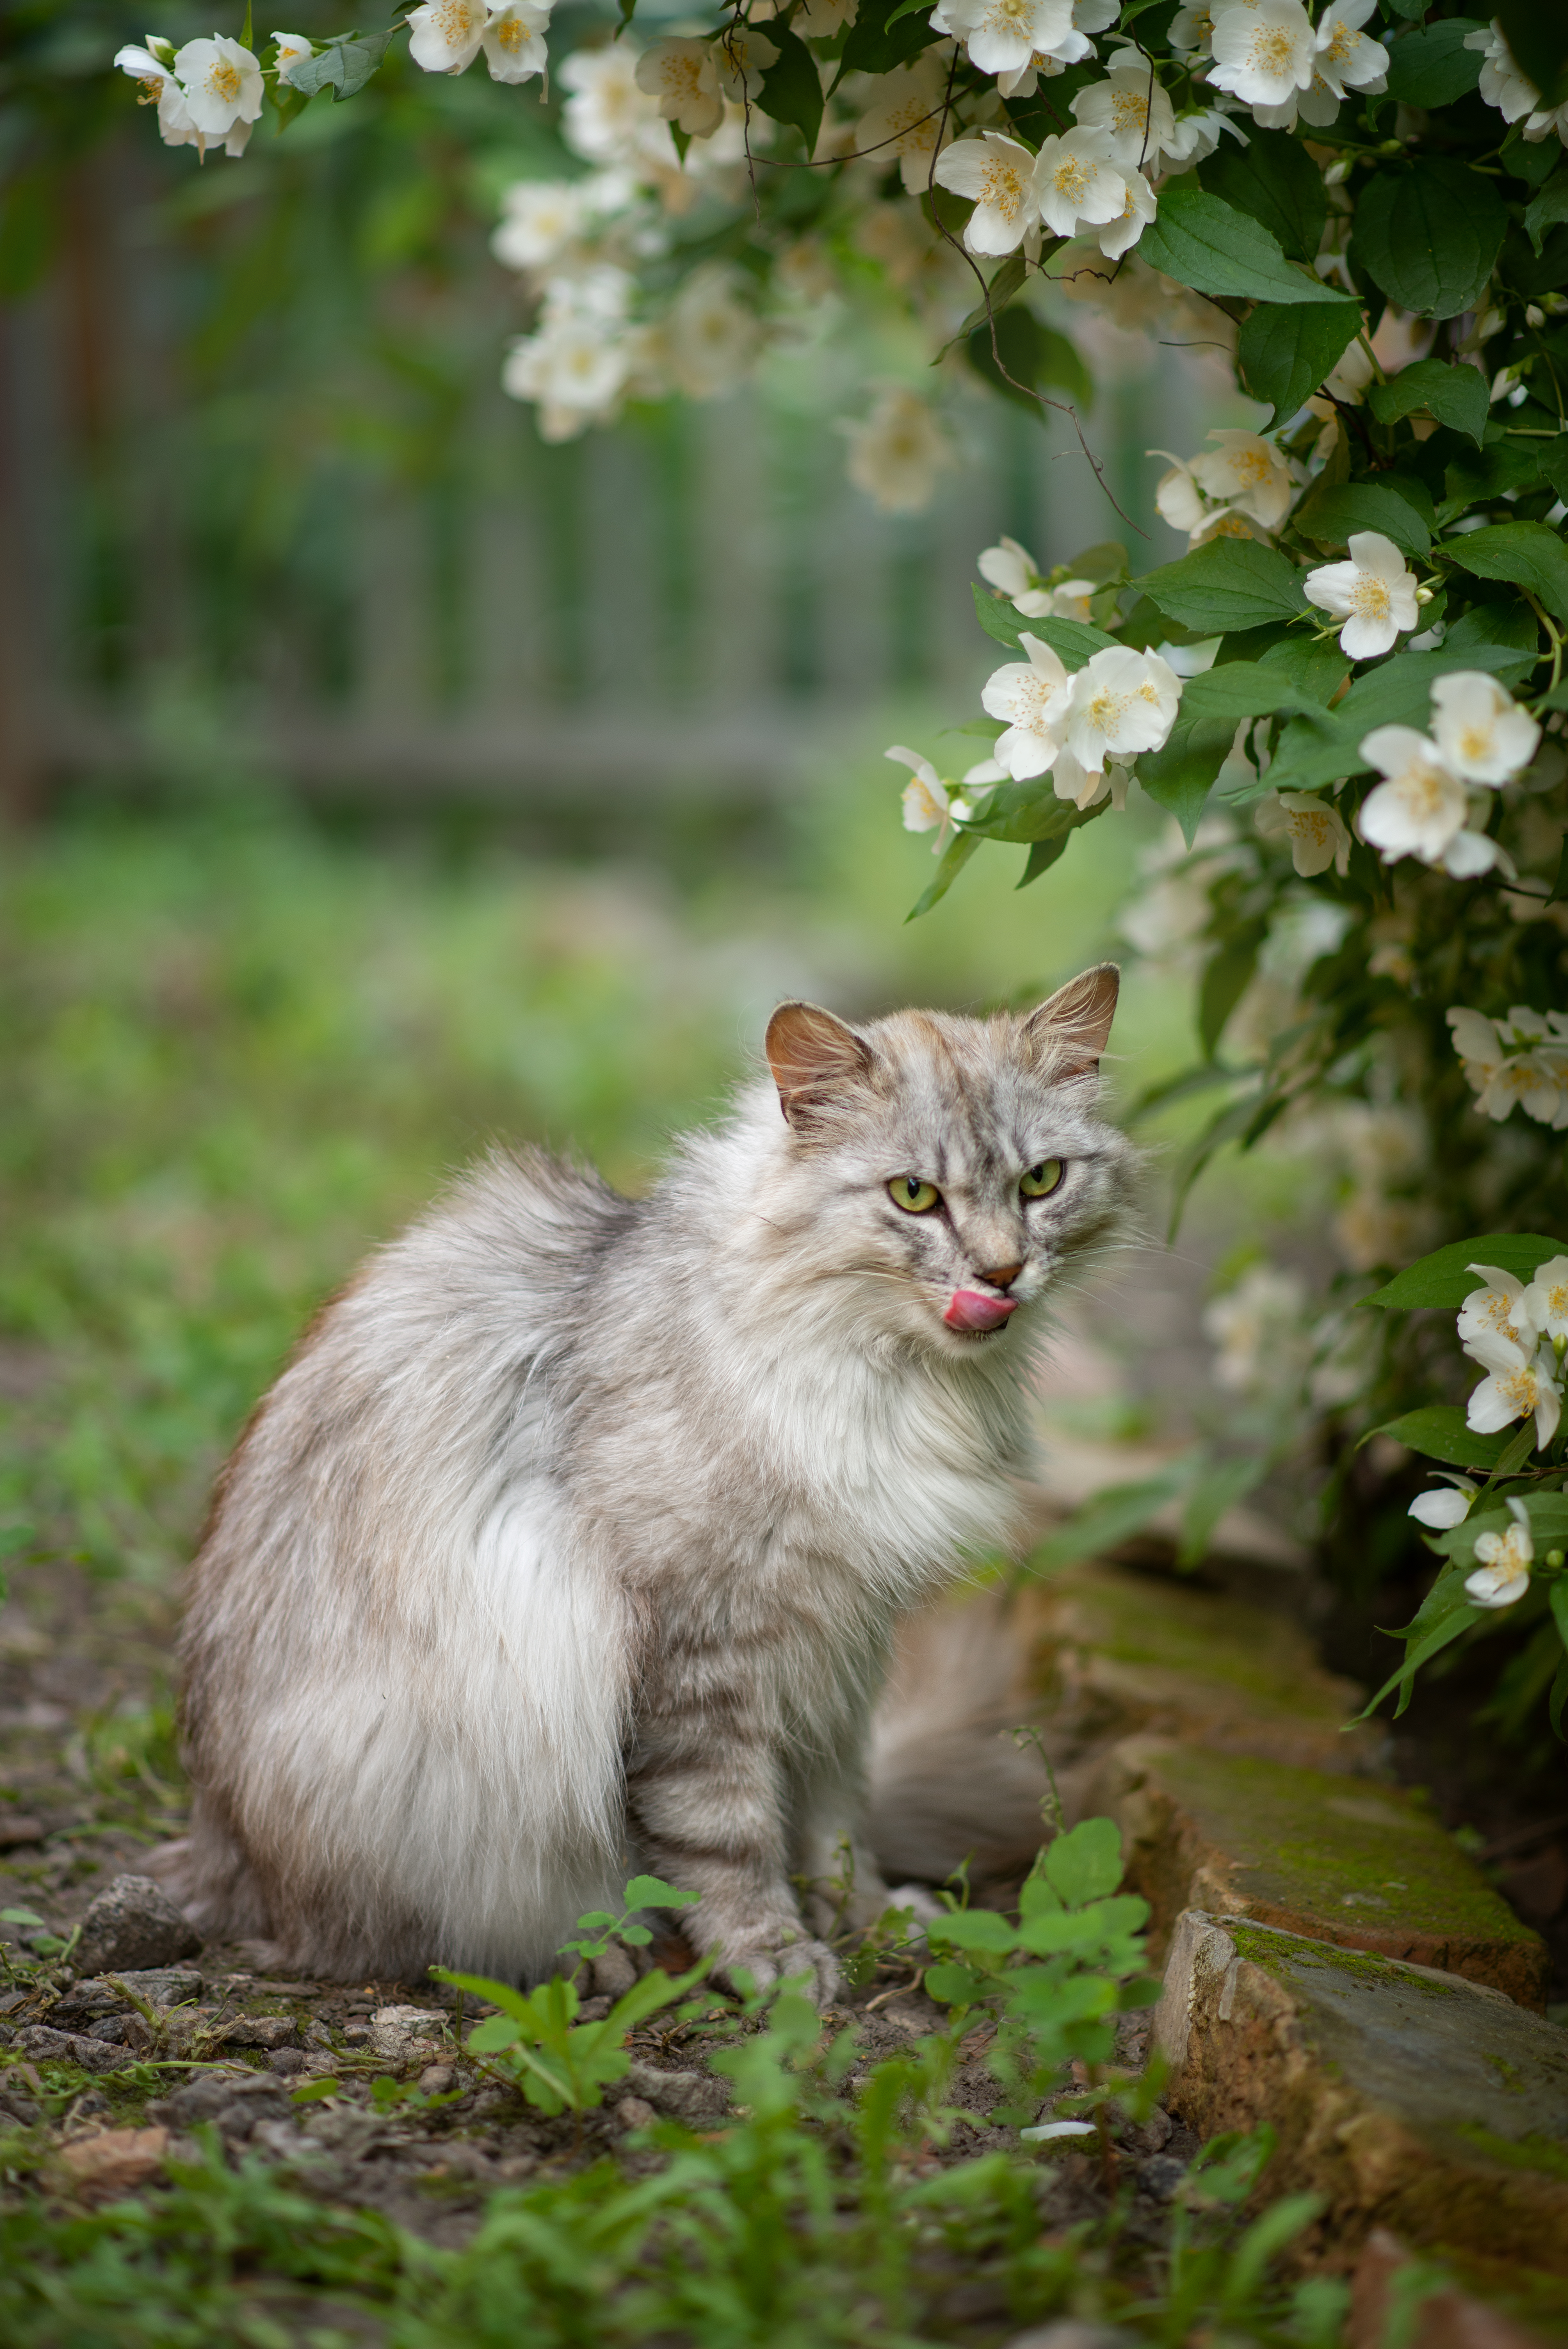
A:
(1348, 1861)
(1408, 2098)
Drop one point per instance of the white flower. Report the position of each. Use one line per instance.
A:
(1196, 136)
(712, 337)
(1122, 702)
(930, 804)
(906, 119)
(1515, 1388)
(609, 118)
(160, 89)
(1073, 599)
(1482, 731)
(1312, 826)
(1249, 474)
(514, 40)
(1373, 594)
(681, 76)
(998, 174)
(1256, 1328)
(1119, 235)
(1012, 569)
(897, 452)
(1032, 695)
(540, 218)
(1499, 1309)
(292, 49)
(819, 20)
(223, 85)
(1478, 1044)
(444, 36)
(1177, 500)
(1420, 809)
(926, 806)
(1130, 106)
(740, 58)
(1193, 27)
(576, 362)
(1264, 51)
(1004, 35)
(1050, 2129)
(1076, 184)
(1546, 1298)
(1442, 1511)
(1070, 780)
(1503, 1575)
(1345, 58)
(1501, 83)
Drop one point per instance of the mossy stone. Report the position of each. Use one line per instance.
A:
(1356, 1864)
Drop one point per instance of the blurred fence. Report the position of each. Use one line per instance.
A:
(686, 604)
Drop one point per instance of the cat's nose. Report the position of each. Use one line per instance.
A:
(1003, 1276)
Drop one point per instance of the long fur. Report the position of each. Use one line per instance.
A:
(574, 1535)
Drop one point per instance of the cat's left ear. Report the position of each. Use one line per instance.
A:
(814, 1055)
(1072, 1030)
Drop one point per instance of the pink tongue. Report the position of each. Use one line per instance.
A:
(970, 1310)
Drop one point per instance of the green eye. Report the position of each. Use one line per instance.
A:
(1041, 1180)
(915, 1197)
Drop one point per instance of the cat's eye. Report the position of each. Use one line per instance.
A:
(1040, 1181)
(915, 1197)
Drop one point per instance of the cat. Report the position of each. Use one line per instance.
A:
(573, 1538)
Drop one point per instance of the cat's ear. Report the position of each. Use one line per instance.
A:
(814, 1055)
(1069, 1031)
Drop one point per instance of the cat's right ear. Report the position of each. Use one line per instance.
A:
(1072, 1028)
(813, 1056)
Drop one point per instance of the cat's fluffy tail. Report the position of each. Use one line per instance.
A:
(947, 1780)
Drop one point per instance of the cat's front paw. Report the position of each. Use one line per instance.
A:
(776, 1962)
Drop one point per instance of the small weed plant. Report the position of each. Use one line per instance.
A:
(837, 2200)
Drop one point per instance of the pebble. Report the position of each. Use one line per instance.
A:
(132, 1922)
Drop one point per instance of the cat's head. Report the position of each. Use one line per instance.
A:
(947, 1168)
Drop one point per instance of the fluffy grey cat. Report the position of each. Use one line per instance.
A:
(574, 1537)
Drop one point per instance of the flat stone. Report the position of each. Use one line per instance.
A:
(1408, 2098)
(691, 2096)
(1119, 1653)
(44, 2046)
(1348, 1861)
(1447, 2317)
(133, 1923)
(268, 2031)
(408, 2034)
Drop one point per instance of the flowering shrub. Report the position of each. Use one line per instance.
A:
(1347, 693)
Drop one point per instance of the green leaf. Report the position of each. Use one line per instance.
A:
(1226, 977)
(1319, 670)
(1238, 689)
(1444, 1280)
(996, 617)
(1031, 354)
(1438, 1431)
(1109, 1517)
(1274, 181)
(21, 1917)
(1007, 281)
(1433, 66)
(1215, 249)
(792, 90)
(1074, 640)
(1443, 1633)
(1085, 1865)
(953, 1985)
(313, 2091)
(1180, 777)
(1043, 853)
(1217, 1490)
(1284, 350)
(1549, 206)
(1455, 394)
(1230, 583)
(345, 65)
(1526, 552)
(1537, 38)
(496, 2031)
(1331, 515)
(955, 857)
(652, 1893)
(882, 37)
(1428, 236)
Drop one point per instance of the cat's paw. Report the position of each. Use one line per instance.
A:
(776, 1961)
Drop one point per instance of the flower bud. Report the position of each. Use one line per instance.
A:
(1424, 594)
(1338, 172)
